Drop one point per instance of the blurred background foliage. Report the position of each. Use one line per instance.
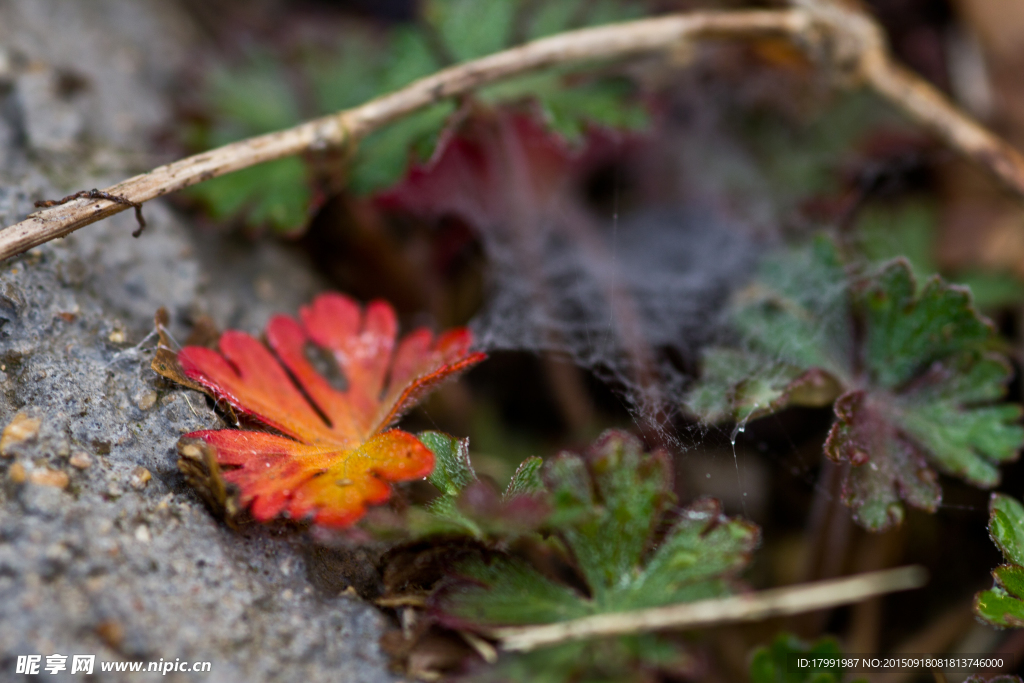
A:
(753, 131)
(265, 91)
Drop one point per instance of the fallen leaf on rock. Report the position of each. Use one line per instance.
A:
(165, 360)
(331, 451)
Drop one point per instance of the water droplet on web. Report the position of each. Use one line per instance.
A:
(708, 475)
(741, 426)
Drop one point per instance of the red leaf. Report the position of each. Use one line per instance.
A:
(335, 453)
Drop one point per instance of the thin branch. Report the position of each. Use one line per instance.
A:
(751, 607)
(338, 130)
(929, 107)
(860, 46)
(852, 39)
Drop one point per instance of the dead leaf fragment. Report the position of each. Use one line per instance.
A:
(204, 333)
(21, 429)
(165, 360)
(197, 461)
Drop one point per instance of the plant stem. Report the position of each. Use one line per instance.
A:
(851, 39)
(751, 607)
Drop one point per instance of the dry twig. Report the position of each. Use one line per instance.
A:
(751, 607)
(848, 37)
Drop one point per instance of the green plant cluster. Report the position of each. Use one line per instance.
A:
(610, 519)
(913, 373)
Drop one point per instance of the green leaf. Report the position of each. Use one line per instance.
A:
(553, 17)
(384, 156)
(917, 382)
(1003, 605)
(910, 230)
(608, 506)
(275, 193)
(774, 663)
(1010, 577)
(452, 469)
(571, 105)
(907, 330)
(999, 608)
(572, 108)
(253, 100)
(465, 504)
(526, 480)
(1006, 525)
(739, 385)
(470, 28)
(992, 290)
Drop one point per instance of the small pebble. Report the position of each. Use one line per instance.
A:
(110, 632)
(80, 460)
(48, 477)
(145, 399)
(17, 473)
(22, 428)
(142, 534)
(140, 477)
(116, 337)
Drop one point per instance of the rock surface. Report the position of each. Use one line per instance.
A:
(103, 548)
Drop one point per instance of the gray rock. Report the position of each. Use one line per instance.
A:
(96, 556)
